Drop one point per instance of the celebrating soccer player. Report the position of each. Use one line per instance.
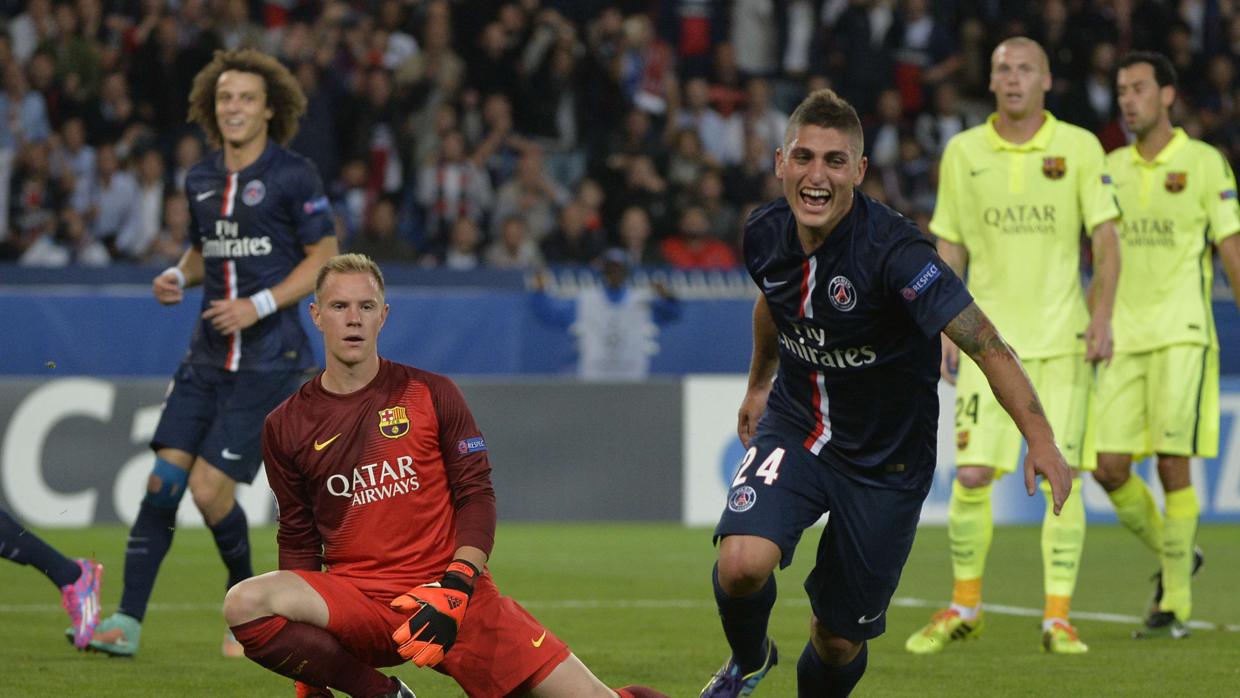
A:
(841, 409)
(1160, 393)
(1014, 194)
(260, 230)
(382, 477)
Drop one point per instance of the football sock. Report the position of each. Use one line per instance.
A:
(969, 529)
(233, 541)
(1179, 532)
(1057, 608)
(25, 548)
(1063, 538)
(817, 679)
(967, 598)
(310, 654)
(744, 622)
(1135, 508)
(151, 535)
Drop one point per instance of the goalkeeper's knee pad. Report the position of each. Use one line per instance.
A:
(166, 485)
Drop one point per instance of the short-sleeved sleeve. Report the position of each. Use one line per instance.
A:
(929, 290)
(311, 209)
(1220, 200)
(946, 220)
(1096, 190)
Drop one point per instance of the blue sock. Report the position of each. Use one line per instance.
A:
(25, 548)
(151, 536)
(232, 537)
(744, 622)
(817, 679)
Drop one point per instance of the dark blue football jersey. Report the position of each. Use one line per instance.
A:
(252, 227)
(858, 325)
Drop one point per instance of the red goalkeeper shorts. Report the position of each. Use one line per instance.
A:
(501, 649)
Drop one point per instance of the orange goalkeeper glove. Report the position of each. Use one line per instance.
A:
(438, 609)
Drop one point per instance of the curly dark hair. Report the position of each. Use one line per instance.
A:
(284, 96)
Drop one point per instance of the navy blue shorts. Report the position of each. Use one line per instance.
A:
(862, 550)
(218, 415)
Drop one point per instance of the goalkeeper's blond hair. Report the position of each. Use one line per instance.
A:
(352, 263)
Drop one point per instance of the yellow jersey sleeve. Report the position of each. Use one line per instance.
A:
(1097, 191)
(1219, 199)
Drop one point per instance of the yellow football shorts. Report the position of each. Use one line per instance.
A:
(1162, 401)
(986, 435)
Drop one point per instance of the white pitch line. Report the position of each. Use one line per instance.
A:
(603, 604)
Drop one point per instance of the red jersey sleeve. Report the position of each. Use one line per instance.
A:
(467, 467)
(299, 543)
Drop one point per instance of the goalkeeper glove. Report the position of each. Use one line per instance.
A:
(438, 609)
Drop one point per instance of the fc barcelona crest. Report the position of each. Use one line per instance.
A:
(393, 422)
(1054, 168)
(1176, 181)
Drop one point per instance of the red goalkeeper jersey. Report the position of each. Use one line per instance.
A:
(381, 485)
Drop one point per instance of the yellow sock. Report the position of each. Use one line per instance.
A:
(1179, 531)
(969, 529)
(967, 593)
(1057, 607)
(1063, 538)
(1135, 508)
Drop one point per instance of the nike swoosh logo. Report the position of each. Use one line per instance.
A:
(538, 643)
(974, 173)
(863, 620)
(320, 446)
(204, 196)
(767, 283)
(230, 455)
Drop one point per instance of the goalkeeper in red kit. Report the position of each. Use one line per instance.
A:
(386, 521)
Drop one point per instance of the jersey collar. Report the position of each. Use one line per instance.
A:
(1178, 139)
(258, 165)
(1040, 140)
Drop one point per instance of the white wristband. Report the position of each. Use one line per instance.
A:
(175, 271)
(264, 302)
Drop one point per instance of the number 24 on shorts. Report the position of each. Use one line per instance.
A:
(768, 471)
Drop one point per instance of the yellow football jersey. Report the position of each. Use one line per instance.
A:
(1174, 208)
(1019, 209)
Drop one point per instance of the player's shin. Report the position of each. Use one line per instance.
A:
(1138, 512)
(310, 654)
(1179, 532)
(151, 535)
(745, 620)
(817, 679)
(232, 539)
(1063, 538)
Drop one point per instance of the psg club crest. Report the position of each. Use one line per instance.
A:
(742, 499)
(1176, 181)
(393, 422)
(254, 193)
(842, 294)
(1054, 168)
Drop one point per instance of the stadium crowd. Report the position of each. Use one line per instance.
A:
(484, 133)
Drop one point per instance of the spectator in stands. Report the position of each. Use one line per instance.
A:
(378, 238)
(452, 187)
(616, 324)
(692, 247)
(760, 117)
(464, 251)
(188, 151)
(109, 116)
(493, 67)
(647, 65)
(36, 198)
(513, 249)
(113, 210)
(721, 137)
(685, 163)
(170, 243)
(746, 180)
(23, 119)
(135, 240)
(639, 248)
(572, 242)
(350, 198)
(41, 78)
(858, 58)
(644, 187)
(756, 37)
(935, 127)
(1090, 102)
(882, 138)
(531, 194)
(69, 244)
(727, 91)
(76, 56)
(31, 28)
(500, 146)
(924, 52)
(374, 129)
(720, 213)
(635, 139)
(591, 199)
(72, 156)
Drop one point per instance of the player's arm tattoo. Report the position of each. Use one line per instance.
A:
(976, 336)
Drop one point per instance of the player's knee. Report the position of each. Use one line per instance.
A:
(971, 477)
(244, 602)
(742, 573)
(834, 650)
(166, 485)
(1111, 474)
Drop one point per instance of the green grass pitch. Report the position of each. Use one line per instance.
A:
(634, 602)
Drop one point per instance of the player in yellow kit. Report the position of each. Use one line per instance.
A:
(1014, 194)
(1160, 393)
